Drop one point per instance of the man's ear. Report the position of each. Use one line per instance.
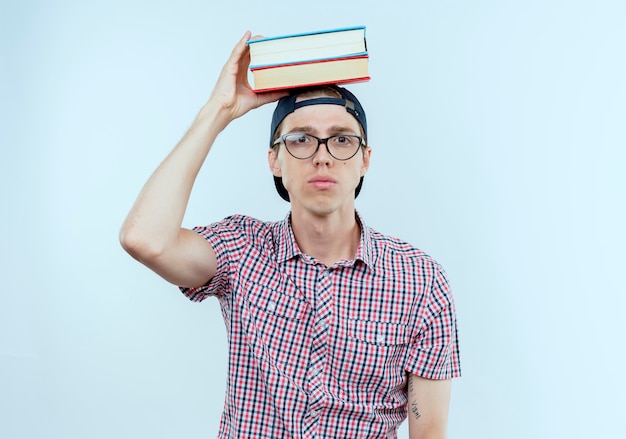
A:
(367, 152)
(272, 160)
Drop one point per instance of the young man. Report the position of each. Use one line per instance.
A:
(334, 329)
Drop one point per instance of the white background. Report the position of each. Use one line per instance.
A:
(498, 131)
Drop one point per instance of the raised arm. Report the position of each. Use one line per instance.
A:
(428, 407)
(152, 231)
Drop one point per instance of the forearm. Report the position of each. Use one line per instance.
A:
(155, 219)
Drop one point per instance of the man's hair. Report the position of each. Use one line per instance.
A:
(311, 93)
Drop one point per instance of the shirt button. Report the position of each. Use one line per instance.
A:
(380, 338)
(314, 413)
(271, 305)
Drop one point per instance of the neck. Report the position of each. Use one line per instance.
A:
(328, 238)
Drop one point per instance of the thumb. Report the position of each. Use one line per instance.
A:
(271, 96)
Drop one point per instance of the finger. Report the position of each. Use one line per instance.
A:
(271, 96)
(240, 47)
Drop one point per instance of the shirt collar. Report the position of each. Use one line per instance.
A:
(365, 252)
(285, 242)
(286, 246)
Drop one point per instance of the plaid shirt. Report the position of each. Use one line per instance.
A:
(319, 351)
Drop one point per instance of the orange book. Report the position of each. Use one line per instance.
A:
(327, 71)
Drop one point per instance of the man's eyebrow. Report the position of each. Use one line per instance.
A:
(302, 129)
(332, 129)
(341, 129)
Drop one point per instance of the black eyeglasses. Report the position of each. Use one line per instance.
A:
(303, 146)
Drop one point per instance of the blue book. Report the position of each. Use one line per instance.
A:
(308, 47)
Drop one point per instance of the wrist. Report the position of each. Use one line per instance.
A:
(215, 114)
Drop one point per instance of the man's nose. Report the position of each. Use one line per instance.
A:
(322, 155)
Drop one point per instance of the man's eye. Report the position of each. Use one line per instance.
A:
(299, 138)
(344, 140)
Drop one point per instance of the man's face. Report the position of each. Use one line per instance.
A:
(320, 184)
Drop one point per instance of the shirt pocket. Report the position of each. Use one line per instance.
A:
(276, 325)
(371, 356)
(378, 333)
(274, 302)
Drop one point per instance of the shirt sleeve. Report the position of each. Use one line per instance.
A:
(435, 352)
(227, 239)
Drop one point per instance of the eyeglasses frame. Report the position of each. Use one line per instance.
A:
(320, 141)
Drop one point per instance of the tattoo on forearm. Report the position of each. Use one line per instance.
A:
(414, 410)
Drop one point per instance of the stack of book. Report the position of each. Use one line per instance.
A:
(313, 58)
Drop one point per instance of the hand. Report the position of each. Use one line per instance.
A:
(233, 91)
